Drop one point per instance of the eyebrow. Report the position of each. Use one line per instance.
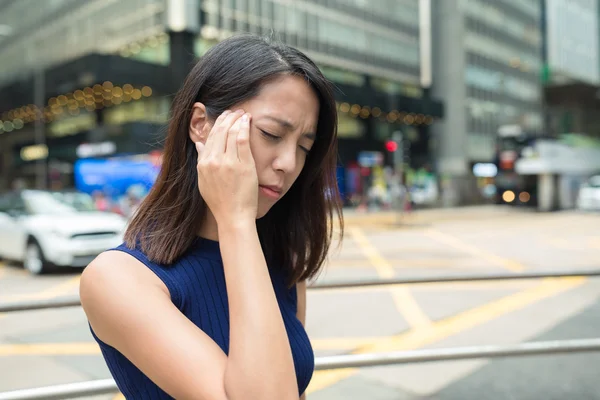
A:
(287, 126)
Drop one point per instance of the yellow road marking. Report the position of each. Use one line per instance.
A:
(60, 289)
(343, 343)
(405, 302)
(452, 241)
(444, 328)
(49, 349)
(57, 290)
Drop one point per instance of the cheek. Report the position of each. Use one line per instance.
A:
(258, 153)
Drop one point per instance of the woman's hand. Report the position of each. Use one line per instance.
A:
(227, 177)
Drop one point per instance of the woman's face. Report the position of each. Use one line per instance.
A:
(282, 133)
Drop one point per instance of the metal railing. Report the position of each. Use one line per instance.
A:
(457, 278)
(108, 386)
(73, 301)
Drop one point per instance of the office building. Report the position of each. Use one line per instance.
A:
(571, 73)
(486, 70)
(104, 70)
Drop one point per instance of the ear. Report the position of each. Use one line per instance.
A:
(199, 124)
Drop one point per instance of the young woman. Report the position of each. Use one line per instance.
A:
(206, 298)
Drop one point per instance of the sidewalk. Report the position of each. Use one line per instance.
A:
(421, 217)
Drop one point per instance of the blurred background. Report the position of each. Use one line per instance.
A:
(469, 140)
(453, 99)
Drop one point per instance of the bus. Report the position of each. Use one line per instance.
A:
(511, 187)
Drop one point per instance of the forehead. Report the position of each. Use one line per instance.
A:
(289, 98)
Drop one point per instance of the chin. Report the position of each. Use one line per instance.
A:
(261, 213)
(263, 209)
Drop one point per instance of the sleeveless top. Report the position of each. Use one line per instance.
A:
(196, 283)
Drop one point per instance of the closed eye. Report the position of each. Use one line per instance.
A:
(270, 136)
(275, 137)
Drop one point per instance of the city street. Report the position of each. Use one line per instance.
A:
(47, 347)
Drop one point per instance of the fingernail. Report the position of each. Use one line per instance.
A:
(245, 118)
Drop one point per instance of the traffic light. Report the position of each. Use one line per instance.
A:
(391, 146)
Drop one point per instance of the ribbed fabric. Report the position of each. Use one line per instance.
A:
(197, 286)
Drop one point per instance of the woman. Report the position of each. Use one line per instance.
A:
(206, 298)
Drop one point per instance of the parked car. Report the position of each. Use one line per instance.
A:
(41, 231)
(588, 198)
(79, 200)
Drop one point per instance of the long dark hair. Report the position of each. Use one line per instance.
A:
(296, 233)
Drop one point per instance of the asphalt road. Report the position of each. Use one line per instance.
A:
(39, 348)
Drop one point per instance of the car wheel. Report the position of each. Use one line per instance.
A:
(34, 259)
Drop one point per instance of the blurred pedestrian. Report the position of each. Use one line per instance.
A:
(206, 299)
(131, 202)
(101, 202)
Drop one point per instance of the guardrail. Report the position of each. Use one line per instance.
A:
(74, 301)
(108, 386)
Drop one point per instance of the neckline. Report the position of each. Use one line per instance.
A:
(207, 245)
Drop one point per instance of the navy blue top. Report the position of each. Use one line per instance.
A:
(196, 283)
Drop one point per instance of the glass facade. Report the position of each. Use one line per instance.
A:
(49, 32)
(369, 49)
(503, 60)
(381, 39)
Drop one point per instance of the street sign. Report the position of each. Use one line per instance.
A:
(370, 158)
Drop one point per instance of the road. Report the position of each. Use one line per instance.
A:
(40, 348)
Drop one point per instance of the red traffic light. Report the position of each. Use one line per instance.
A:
(391, 146)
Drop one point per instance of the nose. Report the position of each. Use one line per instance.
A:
(286, 159)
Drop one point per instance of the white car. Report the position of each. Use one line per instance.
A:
(41, 231)
(589, 195)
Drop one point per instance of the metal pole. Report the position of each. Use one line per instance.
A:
(460, 353)
(107, 386)
(40, 134)
(73, 301)
(398, 157)
(454, 279)
(59, 392)
(27, 305)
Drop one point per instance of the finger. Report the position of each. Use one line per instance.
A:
(211, 136)
(220, 133)
(243, 140)
(231, 151)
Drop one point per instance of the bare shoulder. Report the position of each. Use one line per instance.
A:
(115, 270)
(115, 267)
(113, 282)
(129, 308)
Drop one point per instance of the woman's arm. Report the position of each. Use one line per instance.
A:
(260, 362)
(130, 309)
(301, 313)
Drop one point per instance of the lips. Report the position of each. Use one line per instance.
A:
(273, 192)
(276, 189)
